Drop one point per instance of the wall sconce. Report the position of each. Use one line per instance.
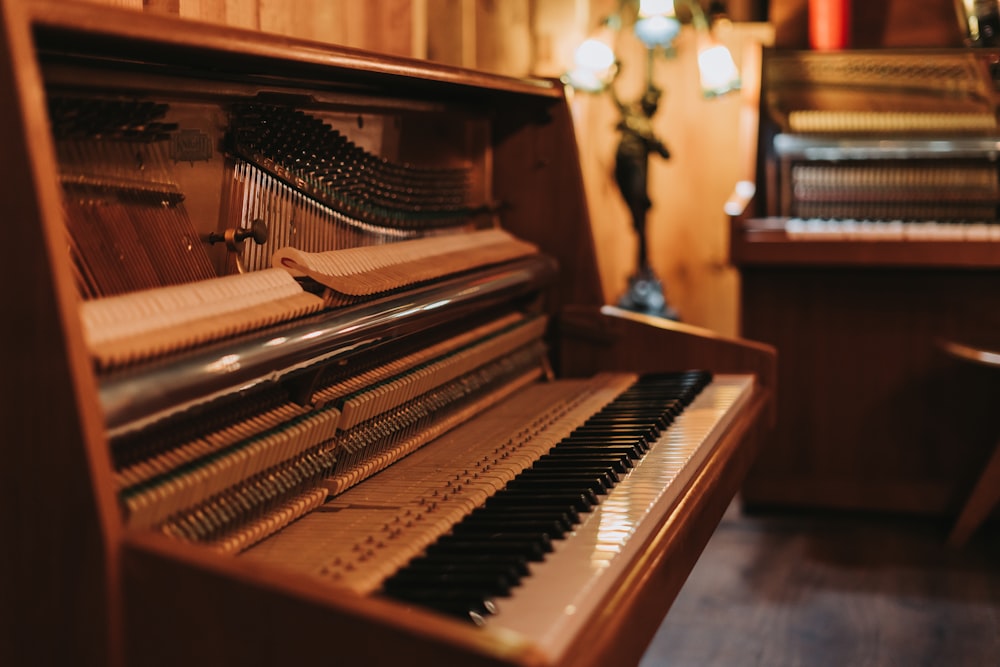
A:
(595, 70)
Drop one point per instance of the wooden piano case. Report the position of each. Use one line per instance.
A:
(78, 587)
(874, 416)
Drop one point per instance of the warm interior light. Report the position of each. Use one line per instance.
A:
(719, 74)
(656, 8)
(656, 30)
(593, 66)
(595, 55)
(596, 68)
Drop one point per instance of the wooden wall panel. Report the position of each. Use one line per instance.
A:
(450, 32)
(385, 26)
(557, 27)
(396, 27)
(503, 36)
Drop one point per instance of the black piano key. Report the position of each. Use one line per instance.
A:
(501, 562)
(542, 538)
(611, 433)
(621, 421)
(531, 544)
(557, 483)
(620, 465)
(565, 518)
(614, 433)
(605, 479)
(491, 583)
(553, 468)
(632, 451)
(639, 443)
(599, 454)
(431, 568)
(579, 501)
(529, 551)
(551, 527)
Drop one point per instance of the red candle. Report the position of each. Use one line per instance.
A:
(829, 24)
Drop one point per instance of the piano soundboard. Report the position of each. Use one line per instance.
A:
(322, 332)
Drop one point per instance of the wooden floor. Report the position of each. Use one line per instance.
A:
(817, 591)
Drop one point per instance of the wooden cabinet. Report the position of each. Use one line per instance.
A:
(872, 414)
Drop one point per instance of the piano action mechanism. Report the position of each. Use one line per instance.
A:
(311, 364)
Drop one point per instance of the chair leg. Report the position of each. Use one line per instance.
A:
(982, 500)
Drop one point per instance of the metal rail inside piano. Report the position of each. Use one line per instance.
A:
(328, 348)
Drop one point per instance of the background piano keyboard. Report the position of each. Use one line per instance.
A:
(826, 229)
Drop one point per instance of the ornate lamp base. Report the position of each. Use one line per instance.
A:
(645, 295)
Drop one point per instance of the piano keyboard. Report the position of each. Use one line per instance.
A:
(375, 537)
(562, 592)
(818, 229)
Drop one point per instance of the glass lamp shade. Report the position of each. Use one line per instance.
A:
(593, 66)
(718, 71)
(656, 30)
(656, 8)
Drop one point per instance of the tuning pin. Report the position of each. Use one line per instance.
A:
(234, 236)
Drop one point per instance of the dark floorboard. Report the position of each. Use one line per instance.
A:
(784, 590)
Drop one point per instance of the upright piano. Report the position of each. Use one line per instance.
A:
(306, 362)
(866, 236)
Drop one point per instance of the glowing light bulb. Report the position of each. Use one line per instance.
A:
(656, 30)
(593, 66)
(718, 70)
(656, 8)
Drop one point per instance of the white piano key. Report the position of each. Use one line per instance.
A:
(816, 229)
(979, 231)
